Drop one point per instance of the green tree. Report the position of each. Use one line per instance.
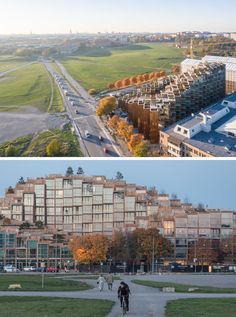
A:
(80, 171)
(25, 225)
(10, 151)
(54, 148)
(141, 150)
(39, 224)
(119, 176)
(21, 181)
(69, 171)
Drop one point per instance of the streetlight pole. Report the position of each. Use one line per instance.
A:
(153, 255)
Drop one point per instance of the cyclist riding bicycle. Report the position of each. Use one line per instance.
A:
(123, 294)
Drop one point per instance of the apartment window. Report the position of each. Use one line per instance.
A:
(50, 220)
(39, 190)
(68, 219)
(87, 217)
(185, 132)
(98, 189)
(87, 189)
(40, 211)
(77, 201)
(87, 227)
(29, 199)
(59, 183)
(119, 197)
(97, 218)
(59, 211)
(107, 208)
(68, 211)
(50, 202)
(67, 183)
(97, 208)
(78, 210)
(50, 184)
(87, 209)
(97, 199)
(17, 208)
(59, 193)
(118, 207)
(77, 192)
(68, 193)
(59, 202)
(108, 195)
(77, 183)
(68, 202)
(129, 203)
(50, 193)
(87, 200)
(107, 217)
(50, 211)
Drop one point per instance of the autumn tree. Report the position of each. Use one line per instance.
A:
(124, 130)
(118, 84)
(146, 77)
(140, 78)
(126, 82)
(135, 140)
(114, 122)
(133, 80)
(228, 248)
(90, 248)
(176, 69)
(53, 148)
(106, 106)
(141, 150)
(203, 251)
(92, 91)
(118, 247)
(150, 243)
(111, 86)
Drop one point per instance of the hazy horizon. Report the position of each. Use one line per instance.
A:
(59, 17)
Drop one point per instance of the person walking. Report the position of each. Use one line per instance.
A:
(110, 281)
(101, 282)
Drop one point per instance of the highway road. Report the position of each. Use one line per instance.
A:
(83, 117)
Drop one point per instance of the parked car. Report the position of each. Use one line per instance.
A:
(10, 269)
(87, 134)
(51, 269)
(29, 269)
(100, 138)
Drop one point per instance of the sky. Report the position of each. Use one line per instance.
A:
(59, 16)
(210, 182)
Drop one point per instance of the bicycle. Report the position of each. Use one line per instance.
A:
(124, 305)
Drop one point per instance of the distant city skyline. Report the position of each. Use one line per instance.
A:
(212, 183)
(61, 16)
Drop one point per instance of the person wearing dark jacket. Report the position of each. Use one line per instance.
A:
(123, 293)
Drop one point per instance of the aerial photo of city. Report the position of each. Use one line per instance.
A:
(117, 158)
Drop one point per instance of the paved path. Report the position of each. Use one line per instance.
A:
(144, 301)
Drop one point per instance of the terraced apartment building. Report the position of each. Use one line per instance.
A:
(87, 205)
(161, 103)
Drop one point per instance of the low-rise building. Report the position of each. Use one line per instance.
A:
(210, 133)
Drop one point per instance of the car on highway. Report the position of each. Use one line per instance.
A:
(100, 138)
(105, 150)
(77, 111)
(29, 269)
(87, 134)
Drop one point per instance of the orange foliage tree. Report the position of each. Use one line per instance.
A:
(118, 84)
(126, 82)
(111, 86)
(114, 122)
(133, 80)
(90, 248)
(106, 106)
(135, 140)
(146, 77)
(124, 130)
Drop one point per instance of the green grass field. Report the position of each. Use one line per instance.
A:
(35, 146)
(97, 69)
(181, 288)
(10, 62)
(34, 283)
(53, 307)
(29, 86)
(202, 308)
